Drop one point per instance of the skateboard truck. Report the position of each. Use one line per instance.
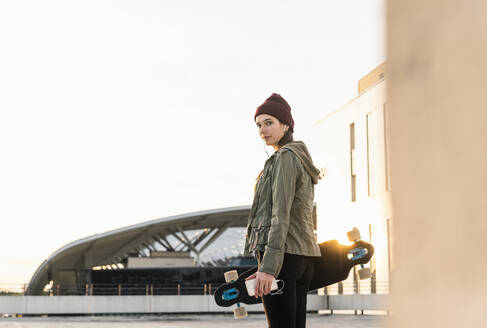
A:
(240, 311)
(358, 253)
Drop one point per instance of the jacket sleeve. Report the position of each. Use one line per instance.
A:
(283, 189)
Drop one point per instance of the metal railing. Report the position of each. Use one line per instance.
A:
(361, 287)
(12, 289)
(133, 289)
(345, 288)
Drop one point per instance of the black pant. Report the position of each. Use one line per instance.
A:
(288, 310)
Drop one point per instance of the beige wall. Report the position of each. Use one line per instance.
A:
(372, 78)
(437, 68)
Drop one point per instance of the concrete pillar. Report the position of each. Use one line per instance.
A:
(437, 101)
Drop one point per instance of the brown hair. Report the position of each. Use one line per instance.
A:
(287, 137)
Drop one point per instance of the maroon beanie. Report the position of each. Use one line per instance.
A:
(276, 106)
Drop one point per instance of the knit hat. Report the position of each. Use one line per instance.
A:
(276, 106)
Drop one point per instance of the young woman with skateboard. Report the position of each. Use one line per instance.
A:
(280, 228)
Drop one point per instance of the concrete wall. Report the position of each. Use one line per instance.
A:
(159, 262)
(125, 304)
(437, 68)
(359, 302)
(166, 304)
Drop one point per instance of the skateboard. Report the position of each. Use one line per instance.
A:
(333, 266)
(234, 291)
(337, 260)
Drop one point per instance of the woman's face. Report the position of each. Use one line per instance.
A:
(271, 129)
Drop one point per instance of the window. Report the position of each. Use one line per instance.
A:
(373, 281)
(370, 188)
(390, 247)
(386, 155)
(352, 163)
(372, 141)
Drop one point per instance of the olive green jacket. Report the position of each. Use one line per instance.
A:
(281, 217)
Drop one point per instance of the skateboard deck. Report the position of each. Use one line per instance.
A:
(236, 292)
(337, 260)
(333, 266)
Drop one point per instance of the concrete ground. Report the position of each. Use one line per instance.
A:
(188, 321)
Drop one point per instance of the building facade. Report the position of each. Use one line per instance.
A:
(351, 143)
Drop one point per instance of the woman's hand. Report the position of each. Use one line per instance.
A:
(263, 283)
(250, 277)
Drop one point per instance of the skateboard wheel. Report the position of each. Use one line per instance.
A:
(354, 235)
(364, 273)
(240, 312)
(231, 276)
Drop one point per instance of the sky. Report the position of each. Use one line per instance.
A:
(113, 113)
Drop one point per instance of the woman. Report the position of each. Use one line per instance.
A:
(280, 228)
